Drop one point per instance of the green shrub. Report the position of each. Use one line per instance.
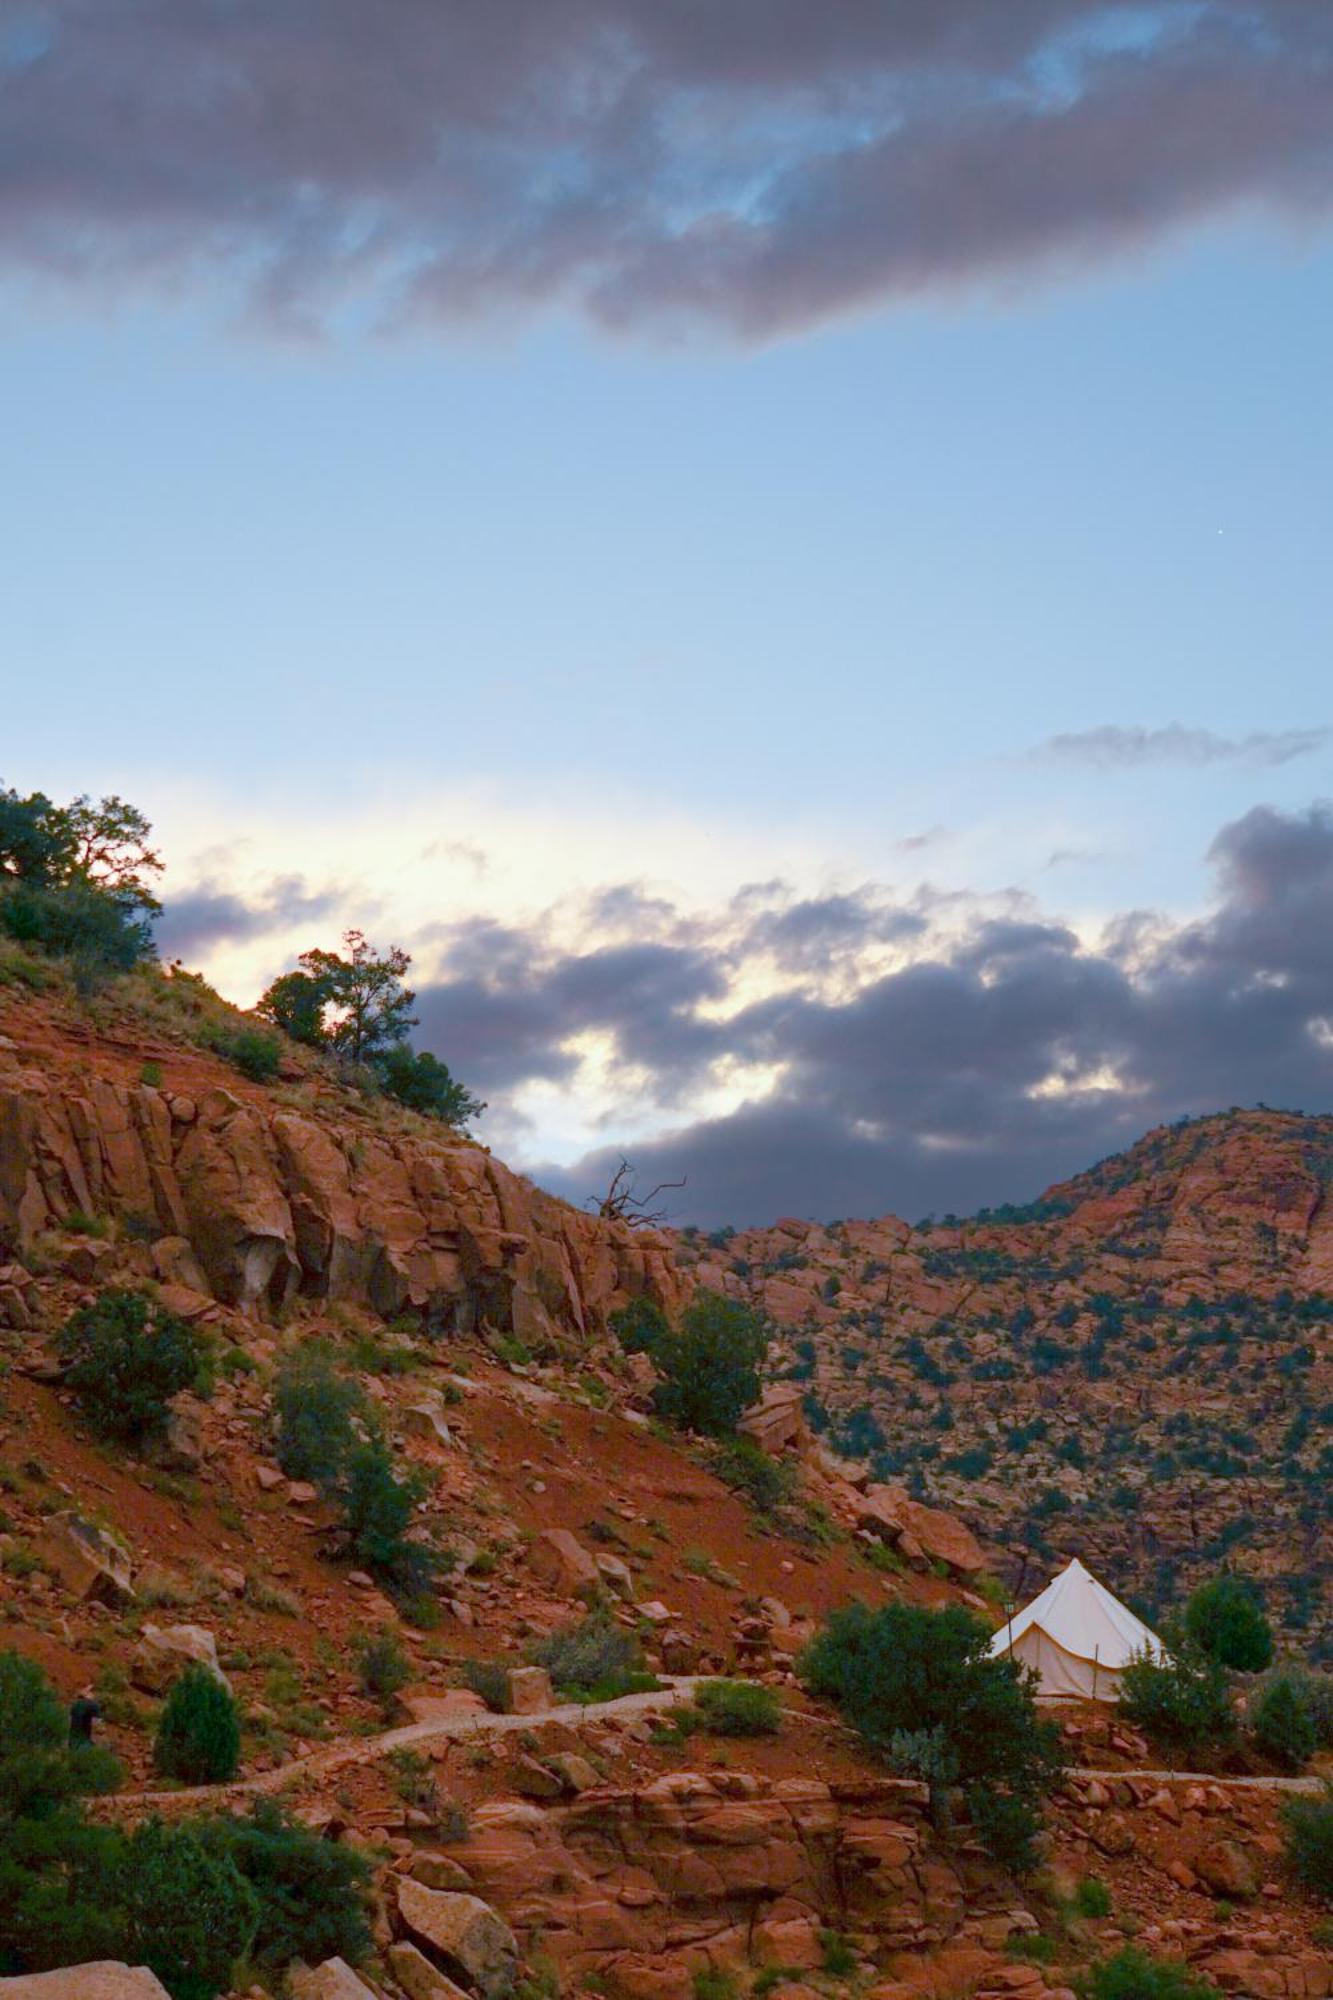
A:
(737, 1708)
(1132, 1975)
(1315, 1691)
(767, 1483)
(641, 1326)
(836, 1955)
(1092, 1898)
(709, 1365)
(186, 1912)
(378, 1504)
(491, 1681)
(1282, 1724)
(904, 1670)
(1183, 1701)
(98, 936)
(383, 1667)
(592, 1659)
(126, 1358)
(317, 1411)
(1308, 1828)
(1225, 1619)
(250, 1050)
(312, 1893)
(199, 1731)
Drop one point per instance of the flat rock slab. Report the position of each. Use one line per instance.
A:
(107, 1979)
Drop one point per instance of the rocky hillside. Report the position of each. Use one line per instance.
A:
(522, 1848)
(1138, 1368)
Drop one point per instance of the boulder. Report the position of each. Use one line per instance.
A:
(164, 1651)
(530, 1690)
(560, 1559)
(776, 1422)
(106, 1979)
(890, 1513)
(333, 1980)
(615, 1573)
(462, 1935)
(437, 1871)
(575, 1773)
(1228, 1869)
(89, 1563)
(419, 1979)
(425, 1419)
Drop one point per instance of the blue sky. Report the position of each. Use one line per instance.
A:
(461, 623)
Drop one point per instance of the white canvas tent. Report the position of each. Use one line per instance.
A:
(1077, 1637)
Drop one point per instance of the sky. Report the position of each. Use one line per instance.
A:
(783, 553)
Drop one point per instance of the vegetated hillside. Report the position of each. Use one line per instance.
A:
(1138, 1368)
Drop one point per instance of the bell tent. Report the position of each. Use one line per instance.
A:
(1077, 1638)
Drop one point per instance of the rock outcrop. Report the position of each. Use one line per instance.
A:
(644, 1888)
(256, 1204)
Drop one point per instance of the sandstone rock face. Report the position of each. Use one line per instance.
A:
(259, 1203)
(104, 1980)
(644, 1888)
(462, 1934)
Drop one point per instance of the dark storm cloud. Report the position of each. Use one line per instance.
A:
(1110, 748)
(208, 915)
(1001, 1053)
(756, 165)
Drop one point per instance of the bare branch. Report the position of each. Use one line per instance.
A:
(622, 1202)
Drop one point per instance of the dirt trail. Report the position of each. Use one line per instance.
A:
(1202, 1778)
(352, 1750)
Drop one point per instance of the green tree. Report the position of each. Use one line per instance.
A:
(1183, 1701)
(186, 1912)
(78, 880)
(423, 1083)
(709, 1364)
(367, 1008)
(907, 1672)
(1226, 1619)
(199, 1731)
(126, 1357)
(295, 1002)
(36, 842)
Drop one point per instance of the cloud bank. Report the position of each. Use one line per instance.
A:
(935, 1054)
(755, 166)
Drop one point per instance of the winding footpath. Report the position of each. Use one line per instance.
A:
(353, 1750)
